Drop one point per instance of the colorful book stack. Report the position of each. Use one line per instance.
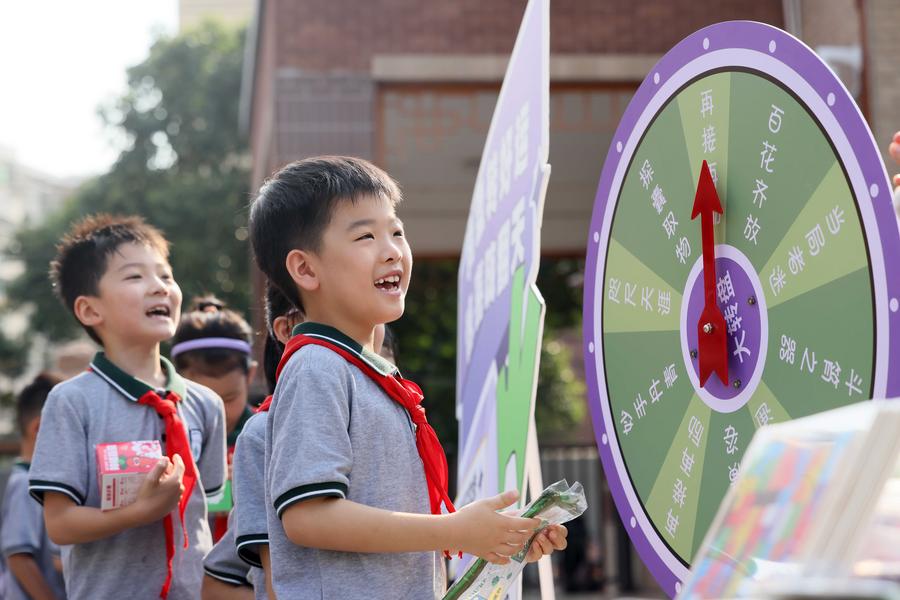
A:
(816, 497)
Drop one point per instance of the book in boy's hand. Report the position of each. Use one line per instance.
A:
(121, 469)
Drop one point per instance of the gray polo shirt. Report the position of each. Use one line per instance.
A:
(100, 406)
(249, 488)
(23, 532)
(332, 432)
(222, 562)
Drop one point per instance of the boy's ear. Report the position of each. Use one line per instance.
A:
(281, 326)
(86, 311)
(300, 267)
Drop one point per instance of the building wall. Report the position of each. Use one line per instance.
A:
(338, 35)
(27, 197)
(883, 45)
(387, 80)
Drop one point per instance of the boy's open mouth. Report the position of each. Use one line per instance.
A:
(158, 311)
(388, 284)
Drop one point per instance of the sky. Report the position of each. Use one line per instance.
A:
(59, 61)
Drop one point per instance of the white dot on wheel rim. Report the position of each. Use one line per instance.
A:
(633, 522)
(604, 439)
(830, 99)
(706, 43)
(677, 587)
(656, 78)
(596, 237)
(619, 147)
(895, 304)
(772, 46)
(873, 190)
(591, 347)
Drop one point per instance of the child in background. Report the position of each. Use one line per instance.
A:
(225, 576)
(251, 532)
(113, 274)
(363, 495)
(212, 347)
(31, 558)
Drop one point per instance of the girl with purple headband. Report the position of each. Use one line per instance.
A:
(212, 347)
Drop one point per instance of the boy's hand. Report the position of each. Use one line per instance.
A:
(161, 490)
(552, 538)
(480, 530)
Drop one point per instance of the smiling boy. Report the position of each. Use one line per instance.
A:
(113, 274)
(355, 477)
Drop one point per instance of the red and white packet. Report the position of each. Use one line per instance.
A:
(121, 469)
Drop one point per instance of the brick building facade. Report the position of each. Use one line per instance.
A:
(412, 86)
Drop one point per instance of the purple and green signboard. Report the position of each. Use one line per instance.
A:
(805, 274)
(501, 312)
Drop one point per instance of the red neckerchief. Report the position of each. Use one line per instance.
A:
(409, 396)
(176, 443)
(266, 404)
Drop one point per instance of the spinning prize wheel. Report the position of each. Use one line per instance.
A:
(778, 299)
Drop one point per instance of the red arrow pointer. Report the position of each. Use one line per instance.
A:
(711, 333)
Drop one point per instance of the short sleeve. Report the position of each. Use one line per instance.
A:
(212, 464)
(22, 528)
(222, 562)
(249, 491)
(311, 455)
(60, 461)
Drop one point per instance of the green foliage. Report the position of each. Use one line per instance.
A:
(13, 354)
(560, 406)
(183, 169)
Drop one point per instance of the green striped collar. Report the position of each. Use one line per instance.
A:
(330, 334)
(131, 387)
(22, 463)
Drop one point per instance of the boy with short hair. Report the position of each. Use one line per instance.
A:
(30, 555)
(355, 477)
(113, 274)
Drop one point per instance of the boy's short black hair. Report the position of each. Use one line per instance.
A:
(31, 399)
(83, 254)
(209, 317)
(295, 205)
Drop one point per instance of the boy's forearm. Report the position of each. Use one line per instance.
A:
(29, 576)
(67, 523)
(344, 525)
(213, 589)
(267, 569)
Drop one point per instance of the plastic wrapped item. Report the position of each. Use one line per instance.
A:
(557, 504)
